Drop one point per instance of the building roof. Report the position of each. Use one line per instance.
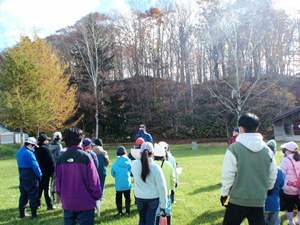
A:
(286, 114)
(3, 129)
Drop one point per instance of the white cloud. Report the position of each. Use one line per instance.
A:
(292, 7)
(18, 17)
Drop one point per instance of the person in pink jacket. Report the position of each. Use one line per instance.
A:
(290, 166)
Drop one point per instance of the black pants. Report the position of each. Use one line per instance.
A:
(44, 187)
(235, 215)
(119, 201)
(29, 190)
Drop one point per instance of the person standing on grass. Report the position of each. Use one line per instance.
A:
(272, 206)
(169, 174)
(235, 133)
(103, 160)
(144, 134)
(249, 171)
(150, 187)
(55, 148)
(29, 176)
(87, 147)
(77, 181)
(290, 166)
(121, 170)
(46, 163)
(170, 158)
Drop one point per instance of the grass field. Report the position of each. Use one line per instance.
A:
(197, 196)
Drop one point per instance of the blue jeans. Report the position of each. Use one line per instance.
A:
(147, 210)
(272, 218)
(80, 217)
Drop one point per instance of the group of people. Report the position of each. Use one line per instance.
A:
(76, 176)
(253, 187)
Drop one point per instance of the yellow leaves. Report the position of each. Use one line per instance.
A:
(40, 93)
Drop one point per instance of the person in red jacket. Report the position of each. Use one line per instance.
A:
(235, 133)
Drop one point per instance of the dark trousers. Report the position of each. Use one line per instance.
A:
(235, 215)
(147, 210)
(119, 201)
(80, 217)
(29, 190)
(172, 196)
(44, 187)
(102, 181)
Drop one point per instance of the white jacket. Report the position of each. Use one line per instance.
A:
(155, 185)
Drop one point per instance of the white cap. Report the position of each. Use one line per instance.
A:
(159, 151)
(57, 134)
(147, 146)
(290, 146)
(164, 145)
(31, 140)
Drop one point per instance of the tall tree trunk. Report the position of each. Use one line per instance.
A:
(96, 112)
(21, 135)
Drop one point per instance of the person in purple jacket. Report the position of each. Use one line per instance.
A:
(77, 181)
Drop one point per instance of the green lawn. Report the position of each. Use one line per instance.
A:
(197, 196)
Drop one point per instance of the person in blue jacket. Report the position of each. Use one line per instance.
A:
(29, 175)
(142, 133)
(121, 170)
(272, 206)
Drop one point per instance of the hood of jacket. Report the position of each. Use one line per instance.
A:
(123, 162)
(252, 141)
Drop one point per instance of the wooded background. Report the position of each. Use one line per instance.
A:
(186, 71)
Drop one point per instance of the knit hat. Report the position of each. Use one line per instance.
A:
(159, 151)
(272, 145)
(121, 151)
(86, 142)
(236, 129)
(147, 146)
(290, 146)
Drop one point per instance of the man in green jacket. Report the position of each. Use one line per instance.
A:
(249, 171)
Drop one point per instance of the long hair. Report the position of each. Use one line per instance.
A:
(145, 165)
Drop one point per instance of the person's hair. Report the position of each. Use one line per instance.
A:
(296, 156)
(159, 158)
(98, 142)
(249, 122)
(145, 164)
(72, 136)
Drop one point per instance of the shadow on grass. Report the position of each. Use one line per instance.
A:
(109, 215)
(13, 187)
(209, 217)
(11, 216)
(209, 188)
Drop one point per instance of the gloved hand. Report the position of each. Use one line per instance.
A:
(162, 212)
(223, 200)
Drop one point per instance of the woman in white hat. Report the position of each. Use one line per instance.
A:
(290, 166)
(150, 187)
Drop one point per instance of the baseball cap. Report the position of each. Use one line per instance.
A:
(58, 135)
(87, 142)
(43, 137)
(139, 141)
(159, 151)
(121, 150)
(147, 146)
(31, 140)
(290, 146)
(164, 145)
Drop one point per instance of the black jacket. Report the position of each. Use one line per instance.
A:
(45, 159)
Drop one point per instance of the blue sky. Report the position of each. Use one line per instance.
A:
(44, 17)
